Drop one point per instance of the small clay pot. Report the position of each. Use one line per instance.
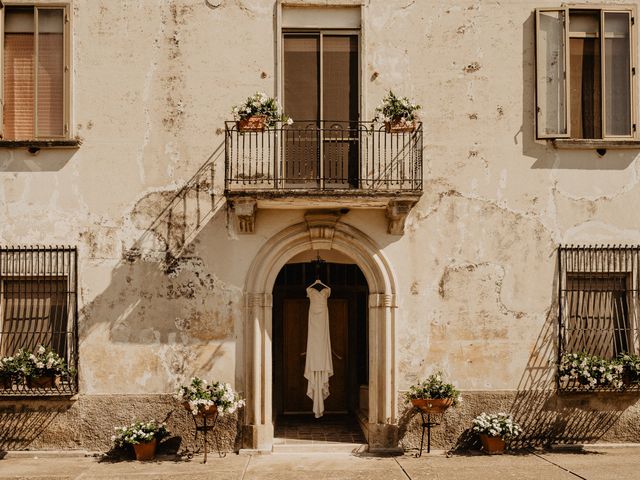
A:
(492, 445)
(145, 451)
(208, 411)
(254, 123)
(432, 405)
(399, 127)
(46, 381)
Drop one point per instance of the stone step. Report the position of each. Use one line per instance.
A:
(321, 447)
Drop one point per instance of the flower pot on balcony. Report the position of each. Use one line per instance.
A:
(45, 381)
(492, 445)
(209, 411)
(396, 126)
(629, 378)
(145, 451)
(432, 405)
(254, 123)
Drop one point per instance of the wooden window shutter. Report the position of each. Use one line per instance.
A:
(19, 81)
(552, 106)
(50, 73)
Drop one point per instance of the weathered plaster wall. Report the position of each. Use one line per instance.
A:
(162, 274)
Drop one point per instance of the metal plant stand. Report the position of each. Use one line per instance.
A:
(208, 424)
(426, 425)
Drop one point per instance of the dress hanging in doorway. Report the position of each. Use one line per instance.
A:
(318, 366)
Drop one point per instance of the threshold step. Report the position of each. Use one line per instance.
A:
(320, 448)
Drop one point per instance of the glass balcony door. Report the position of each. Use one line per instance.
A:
(321, 94)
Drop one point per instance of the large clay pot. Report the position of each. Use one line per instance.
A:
(432, 405)
(492, 445)
(146, 451)
(209, 411)
(46, 381)
(399, 127)
(254, 123)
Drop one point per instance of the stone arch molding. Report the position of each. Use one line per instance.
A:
(320, 231)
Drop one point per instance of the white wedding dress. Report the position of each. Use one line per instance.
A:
(318, 366)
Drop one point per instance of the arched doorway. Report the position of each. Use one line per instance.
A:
(347, 404)
(320, 231)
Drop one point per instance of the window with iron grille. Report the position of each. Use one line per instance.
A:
(38, 306)
(598, 291)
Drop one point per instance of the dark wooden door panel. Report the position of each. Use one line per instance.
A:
(295, 314)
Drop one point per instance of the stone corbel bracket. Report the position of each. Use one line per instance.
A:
(244, 212)
(397, 212)
(321, 226)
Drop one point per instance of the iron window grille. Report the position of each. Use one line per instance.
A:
(38, 306)
(598, 293)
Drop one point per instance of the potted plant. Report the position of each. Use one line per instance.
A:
(43, 368)
(590, 371)
(398, 114)
(202, 398)
(433, 395)
(9, 372)
(630, 368)
(494, 429)
(143, 436)
(257, 112)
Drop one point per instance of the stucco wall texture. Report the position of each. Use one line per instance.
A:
(162, 271)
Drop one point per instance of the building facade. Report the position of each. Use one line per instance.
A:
(483, 244)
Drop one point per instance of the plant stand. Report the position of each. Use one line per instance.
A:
(208, 424)
(426, 425)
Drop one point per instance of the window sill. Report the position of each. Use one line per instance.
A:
(40, 144)
(584, 144)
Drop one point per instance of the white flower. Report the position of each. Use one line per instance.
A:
(289, 121)
(41, 350)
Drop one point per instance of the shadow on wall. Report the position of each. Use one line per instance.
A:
(545, 154)
(22, 426)
(46, 160)
(161, 293)
(549, 417)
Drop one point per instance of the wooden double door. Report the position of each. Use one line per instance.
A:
(295, 325)
(348, 330)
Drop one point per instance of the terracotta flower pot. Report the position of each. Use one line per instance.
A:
(254, 123)
(146, 451)
(432, 405)
(399, 127)
(492, 445)
(45, 381)
(209, 411)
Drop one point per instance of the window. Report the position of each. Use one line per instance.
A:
(585, 67)
(598, 298)
(35, 73)
(38, 304)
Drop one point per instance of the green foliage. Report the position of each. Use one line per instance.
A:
(139, 432)
(261, 104)
(433, 387)
(590, 371)
(199, 394)
(396, 109)
(40, 363)
(496, 425)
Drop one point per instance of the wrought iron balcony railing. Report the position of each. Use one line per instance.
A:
(329, 155)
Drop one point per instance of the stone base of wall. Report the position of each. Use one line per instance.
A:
(546, 417)
(87, 422)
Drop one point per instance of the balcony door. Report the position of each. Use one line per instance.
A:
(321, 94)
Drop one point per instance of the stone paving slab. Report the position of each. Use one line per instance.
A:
(603, 464)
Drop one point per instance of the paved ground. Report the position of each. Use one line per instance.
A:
(596, 464)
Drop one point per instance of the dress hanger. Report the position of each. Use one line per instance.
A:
(318, 261)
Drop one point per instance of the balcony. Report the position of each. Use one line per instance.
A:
(341, 165)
